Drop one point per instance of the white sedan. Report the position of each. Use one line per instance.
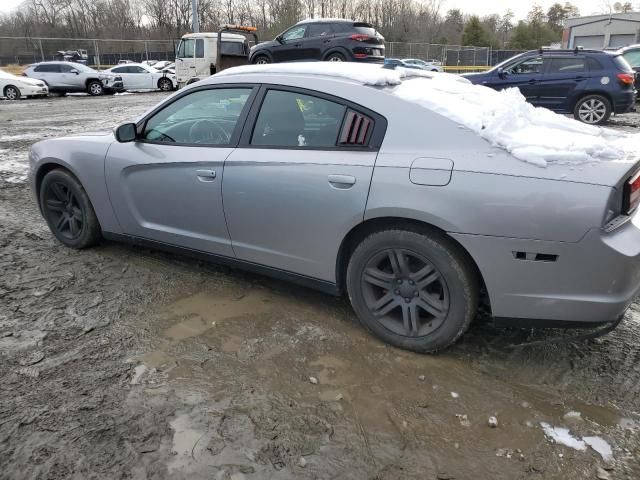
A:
(12, 87)
(137, 76)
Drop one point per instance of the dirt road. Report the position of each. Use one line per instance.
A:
(121, 362)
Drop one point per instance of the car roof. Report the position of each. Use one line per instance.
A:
(334, 20)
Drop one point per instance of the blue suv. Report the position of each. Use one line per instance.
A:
(591, 84)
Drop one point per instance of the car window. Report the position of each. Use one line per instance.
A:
(318, 30)
(594, 65)
(342, 27)
(205, 117)
(289, 119)
(66, 68)
(136, 69)
(527, 67)
(200, 48)
(120, 70)
(294, 33)
(47, 68)
(186, 48)
(633, 57)
(566, 65)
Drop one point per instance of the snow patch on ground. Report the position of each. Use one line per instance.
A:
(600, 446)
(563, 436)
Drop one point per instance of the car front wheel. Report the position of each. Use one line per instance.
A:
(261, 60)
(68, 211)
(165, 84)
(593, 110)
(11, 93)
(95, 88)
(416, 291)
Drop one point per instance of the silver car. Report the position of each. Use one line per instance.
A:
(326, 175)
(69, 77)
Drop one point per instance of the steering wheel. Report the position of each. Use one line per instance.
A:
(208, 132)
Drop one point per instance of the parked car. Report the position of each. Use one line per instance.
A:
(431, 65)
(136, 76)
(632, 55)
(124, 61)
(323, 39)
(68, 77)
(591, 84)
(358, 179)
(13, 87)
(411, 63)
(162, 64)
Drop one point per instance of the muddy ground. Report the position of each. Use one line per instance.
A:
(122, 362)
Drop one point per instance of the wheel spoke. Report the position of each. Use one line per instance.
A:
(73, 226)
(62, 221)
(384, 305)
(410, 319)
(398, 263)
(58, 192)
(54, 205)
(425, 277)
(430, 305)
(377, 277)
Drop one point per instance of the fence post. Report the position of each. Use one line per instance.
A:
(146, 50)
(97, 50)
(410, 50)
(41, 51)
(474, 56)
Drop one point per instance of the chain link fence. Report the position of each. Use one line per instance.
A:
(107, 52)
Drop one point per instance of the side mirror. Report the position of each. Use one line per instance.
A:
(73, 70)
(126, 133)
(502, 73)
(279, 39)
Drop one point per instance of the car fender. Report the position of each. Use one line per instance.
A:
(264, 52)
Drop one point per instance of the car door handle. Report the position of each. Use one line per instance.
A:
(579, 79)
(297, 44)
(531, 82)
(206, 175)
(342, 182)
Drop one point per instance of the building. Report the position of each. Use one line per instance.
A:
(602, 31)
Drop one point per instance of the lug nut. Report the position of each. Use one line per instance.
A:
(415, 294)
(407, 300)
(397, 292)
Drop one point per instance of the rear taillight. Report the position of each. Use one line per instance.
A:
(626, 78)
(360, 55)
(631, 196)
(360, 37)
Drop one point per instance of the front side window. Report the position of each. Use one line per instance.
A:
(205, 117)
(527, 67)
(186, 48)
(66, 68)
(289, 119)
(295, 33)
(567, 65)
(47, 68)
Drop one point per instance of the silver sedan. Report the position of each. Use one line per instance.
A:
(372, 182)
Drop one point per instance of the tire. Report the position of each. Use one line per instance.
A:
(335, 57)
(592, 110)
(68, 211)
(95, 88)
(426, 302)
(165, 84)
(11, 92)
(261, 60)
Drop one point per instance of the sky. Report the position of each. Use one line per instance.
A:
(478, 7)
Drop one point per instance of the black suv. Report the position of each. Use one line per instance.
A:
(632, 55)
(322, 39)
(591, 84)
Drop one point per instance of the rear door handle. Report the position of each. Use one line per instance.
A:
(206, 175)
(342, 182)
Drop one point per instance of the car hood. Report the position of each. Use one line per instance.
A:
(264, 45)
(27, 80)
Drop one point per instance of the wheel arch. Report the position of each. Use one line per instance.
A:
(593, 92)
(4, 90)
(264, 53)
(340, 50)
(91, 79)
(359, 232)
(173, 85)
(45, 167)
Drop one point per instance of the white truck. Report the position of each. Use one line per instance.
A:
(197, 56)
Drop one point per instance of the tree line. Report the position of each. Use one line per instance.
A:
(398, 20)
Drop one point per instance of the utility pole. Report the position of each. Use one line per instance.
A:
(194, 16)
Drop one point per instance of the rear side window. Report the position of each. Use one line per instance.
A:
(632, 57)
(200, 48)
(120, 70)
(594, 65)
(622, 64)
(318, 30)
(342, 27)
(566, 65)
(364, 28)
(290, 119)
(47, 68)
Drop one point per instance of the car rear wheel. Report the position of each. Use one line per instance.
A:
(261, 60)
(68, 211)
(165, 84)
(11, 92)
(592, 109)
(335, 57)
(95, 88)
(416, 291)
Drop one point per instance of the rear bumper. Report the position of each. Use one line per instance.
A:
(590, 282)
(625, 102)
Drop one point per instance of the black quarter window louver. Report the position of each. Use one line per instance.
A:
(356, 129)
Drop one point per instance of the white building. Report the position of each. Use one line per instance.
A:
(602, 31)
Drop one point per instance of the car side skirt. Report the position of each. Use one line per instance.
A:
(321, 285)
(505, 322)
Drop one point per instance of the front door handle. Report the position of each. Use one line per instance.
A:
(206, 175)
(532, 82)
(342, 182)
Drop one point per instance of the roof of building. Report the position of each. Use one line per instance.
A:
(628, 17)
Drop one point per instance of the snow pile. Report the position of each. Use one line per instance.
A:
(371, 74)
(504, 118)
(563, 436)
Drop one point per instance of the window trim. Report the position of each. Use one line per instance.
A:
(235, 136)
(375, 138)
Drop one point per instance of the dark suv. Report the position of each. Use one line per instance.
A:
(632, 55)
(591, 84)
(323, 39)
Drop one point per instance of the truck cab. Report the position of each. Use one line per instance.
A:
(197, 53)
